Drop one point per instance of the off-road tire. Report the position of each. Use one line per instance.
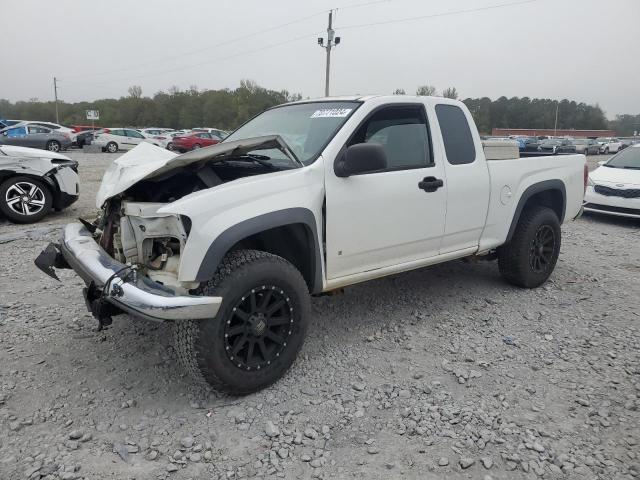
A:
(514, 258)
(200, 344)
(16, 217)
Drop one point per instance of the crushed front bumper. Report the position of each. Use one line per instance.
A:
(130, 293)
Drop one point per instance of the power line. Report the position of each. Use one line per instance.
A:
(202, 49)
(211, 60)
(226, 42)
(435, 15)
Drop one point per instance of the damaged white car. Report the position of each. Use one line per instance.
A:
(34, 181)
(227, 242)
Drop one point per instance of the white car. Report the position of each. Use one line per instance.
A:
(113, 139)
(34, 181)
(609, 144)
(226, 242)
(614, 187)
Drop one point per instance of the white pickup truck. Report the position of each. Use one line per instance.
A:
(227, 242)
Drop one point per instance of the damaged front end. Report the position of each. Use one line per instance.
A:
(114, 287)
(130, 255)
(135, 233)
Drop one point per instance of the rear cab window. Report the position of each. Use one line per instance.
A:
(456, 134)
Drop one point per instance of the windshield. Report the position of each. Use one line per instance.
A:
(305, 127)
(627, 158)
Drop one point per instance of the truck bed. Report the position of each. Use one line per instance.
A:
(510, 179)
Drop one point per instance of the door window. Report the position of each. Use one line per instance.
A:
(17, 132)
(134, 134)
(402, 131)
(33, 130)
(458, 142)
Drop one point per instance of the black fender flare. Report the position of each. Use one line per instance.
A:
(231, 236)
(546, 185)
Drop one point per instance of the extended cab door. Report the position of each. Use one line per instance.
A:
(468, 183)
(388, 217)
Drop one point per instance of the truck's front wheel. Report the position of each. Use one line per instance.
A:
(259, 329)
(530, 257)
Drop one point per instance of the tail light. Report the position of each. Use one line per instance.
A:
(586, 176)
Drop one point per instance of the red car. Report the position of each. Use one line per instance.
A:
(191, 141)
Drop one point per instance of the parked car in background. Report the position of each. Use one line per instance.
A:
(586, 146)
(150, 132)
(608, 144)
(32, 182)
(627, 142)
(35, 136)
(167, 138)
(222, 134)
(113, 139)
(194, 140)
(52, 126)
(530, 144)
(84, 128)
(8, 122)
(614, 187)
(83, 138)
(555, 146)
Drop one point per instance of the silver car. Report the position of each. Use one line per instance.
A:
(35, 136)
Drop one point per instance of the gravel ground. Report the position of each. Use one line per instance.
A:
(446, 372)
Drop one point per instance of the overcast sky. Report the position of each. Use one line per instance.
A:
(585, 50)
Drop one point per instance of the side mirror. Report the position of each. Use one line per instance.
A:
(360, 158)
(602, 162)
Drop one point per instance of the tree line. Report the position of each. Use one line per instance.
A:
(225, 109)
(228, 108)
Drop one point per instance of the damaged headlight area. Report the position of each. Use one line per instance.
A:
(135, 233)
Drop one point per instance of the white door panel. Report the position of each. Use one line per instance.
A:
(468, 182)
(382, 219)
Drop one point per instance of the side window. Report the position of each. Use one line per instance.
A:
(134, 134)
(17, 132)
(458, 142)
(403, 133)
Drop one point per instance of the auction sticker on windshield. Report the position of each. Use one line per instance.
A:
(331, 113)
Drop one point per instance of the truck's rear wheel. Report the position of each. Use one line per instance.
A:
(259, 329)
(530, 257)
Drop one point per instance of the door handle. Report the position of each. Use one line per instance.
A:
(430, 184)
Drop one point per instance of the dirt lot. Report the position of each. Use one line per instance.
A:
(446, 372)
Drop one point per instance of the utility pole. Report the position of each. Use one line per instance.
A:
(55, 93)
(555, 125)
(332, 41)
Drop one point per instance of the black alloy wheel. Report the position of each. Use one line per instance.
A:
(542, 249)
(259, 328)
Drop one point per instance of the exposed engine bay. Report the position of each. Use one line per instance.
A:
(131, 230)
